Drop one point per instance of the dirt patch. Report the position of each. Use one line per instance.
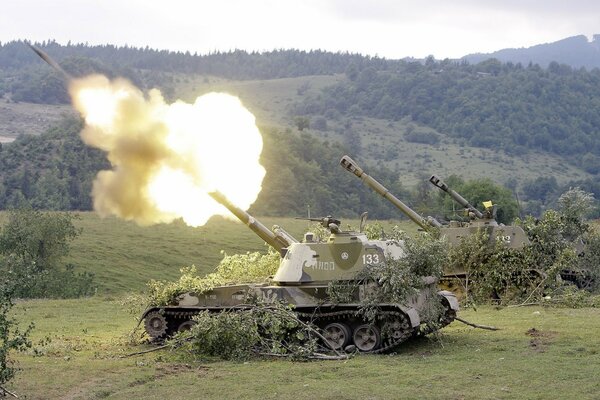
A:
(540, 339)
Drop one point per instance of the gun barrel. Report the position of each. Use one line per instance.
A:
(350, 165)
(51, 62)
(278, 241)
(437, 182)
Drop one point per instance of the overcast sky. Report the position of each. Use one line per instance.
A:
(388, 28)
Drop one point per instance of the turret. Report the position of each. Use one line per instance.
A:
(425, 223)
(279, 239)
(437, 182)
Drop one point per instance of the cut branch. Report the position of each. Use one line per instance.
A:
(164, 346)
(486, 327)
(4, 391)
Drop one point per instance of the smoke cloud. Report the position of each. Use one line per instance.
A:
(166, 157)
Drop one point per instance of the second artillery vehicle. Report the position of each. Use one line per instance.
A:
(510, 236)
(302, 280)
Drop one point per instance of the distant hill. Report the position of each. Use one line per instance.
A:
(576, 51)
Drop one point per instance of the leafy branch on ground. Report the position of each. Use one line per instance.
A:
(259, 329)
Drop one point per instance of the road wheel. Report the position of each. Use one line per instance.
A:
(367, 337)
(337, 335)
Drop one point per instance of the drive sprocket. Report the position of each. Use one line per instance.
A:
(156, 324)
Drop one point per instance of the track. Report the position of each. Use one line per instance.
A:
(344, 327)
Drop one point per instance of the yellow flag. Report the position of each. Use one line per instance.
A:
(488, 204)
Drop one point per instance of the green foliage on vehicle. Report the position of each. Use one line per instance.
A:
(238, 268)
(563, 250)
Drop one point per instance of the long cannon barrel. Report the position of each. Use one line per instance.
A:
(51, 62)
(279, 240)
(350, 165)
(437, 182)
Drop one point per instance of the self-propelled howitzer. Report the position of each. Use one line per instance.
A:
(306, 271)
(511, 236)
(455, 231)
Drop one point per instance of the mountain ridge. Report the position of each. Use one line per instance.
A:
(576, 51)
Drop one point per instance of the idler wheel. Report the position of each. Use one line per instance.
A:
(367, 337)
(337, 335)
(155, 324)
(186, 325)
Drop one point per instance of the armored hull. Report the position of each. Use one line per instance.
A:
(342, 324)
(302, 281)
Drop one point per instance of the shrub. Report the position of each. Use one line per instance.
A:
(11, 339)
(418, 136)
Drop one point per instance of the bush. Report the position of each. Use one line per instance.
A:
(11, 339)
(426, 137)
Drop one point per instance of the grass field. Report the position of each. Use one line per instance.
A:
(559, 359)
(539, 353)
(29, 118)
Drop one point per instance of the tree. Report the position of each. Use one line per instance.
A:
(574, 205)
(320, 124)
(32, 246)
(37, 238)
(302, 123)
(540, 188)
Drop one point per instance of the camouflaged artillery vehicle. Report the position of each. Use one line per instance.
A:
(454, 231)
(302, 280)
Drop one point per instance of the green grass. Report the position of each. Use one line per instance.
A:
(79, 343)
(88, 337)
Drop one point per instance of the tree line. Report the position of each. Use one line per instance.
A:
(55, 171)
(26, 78)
